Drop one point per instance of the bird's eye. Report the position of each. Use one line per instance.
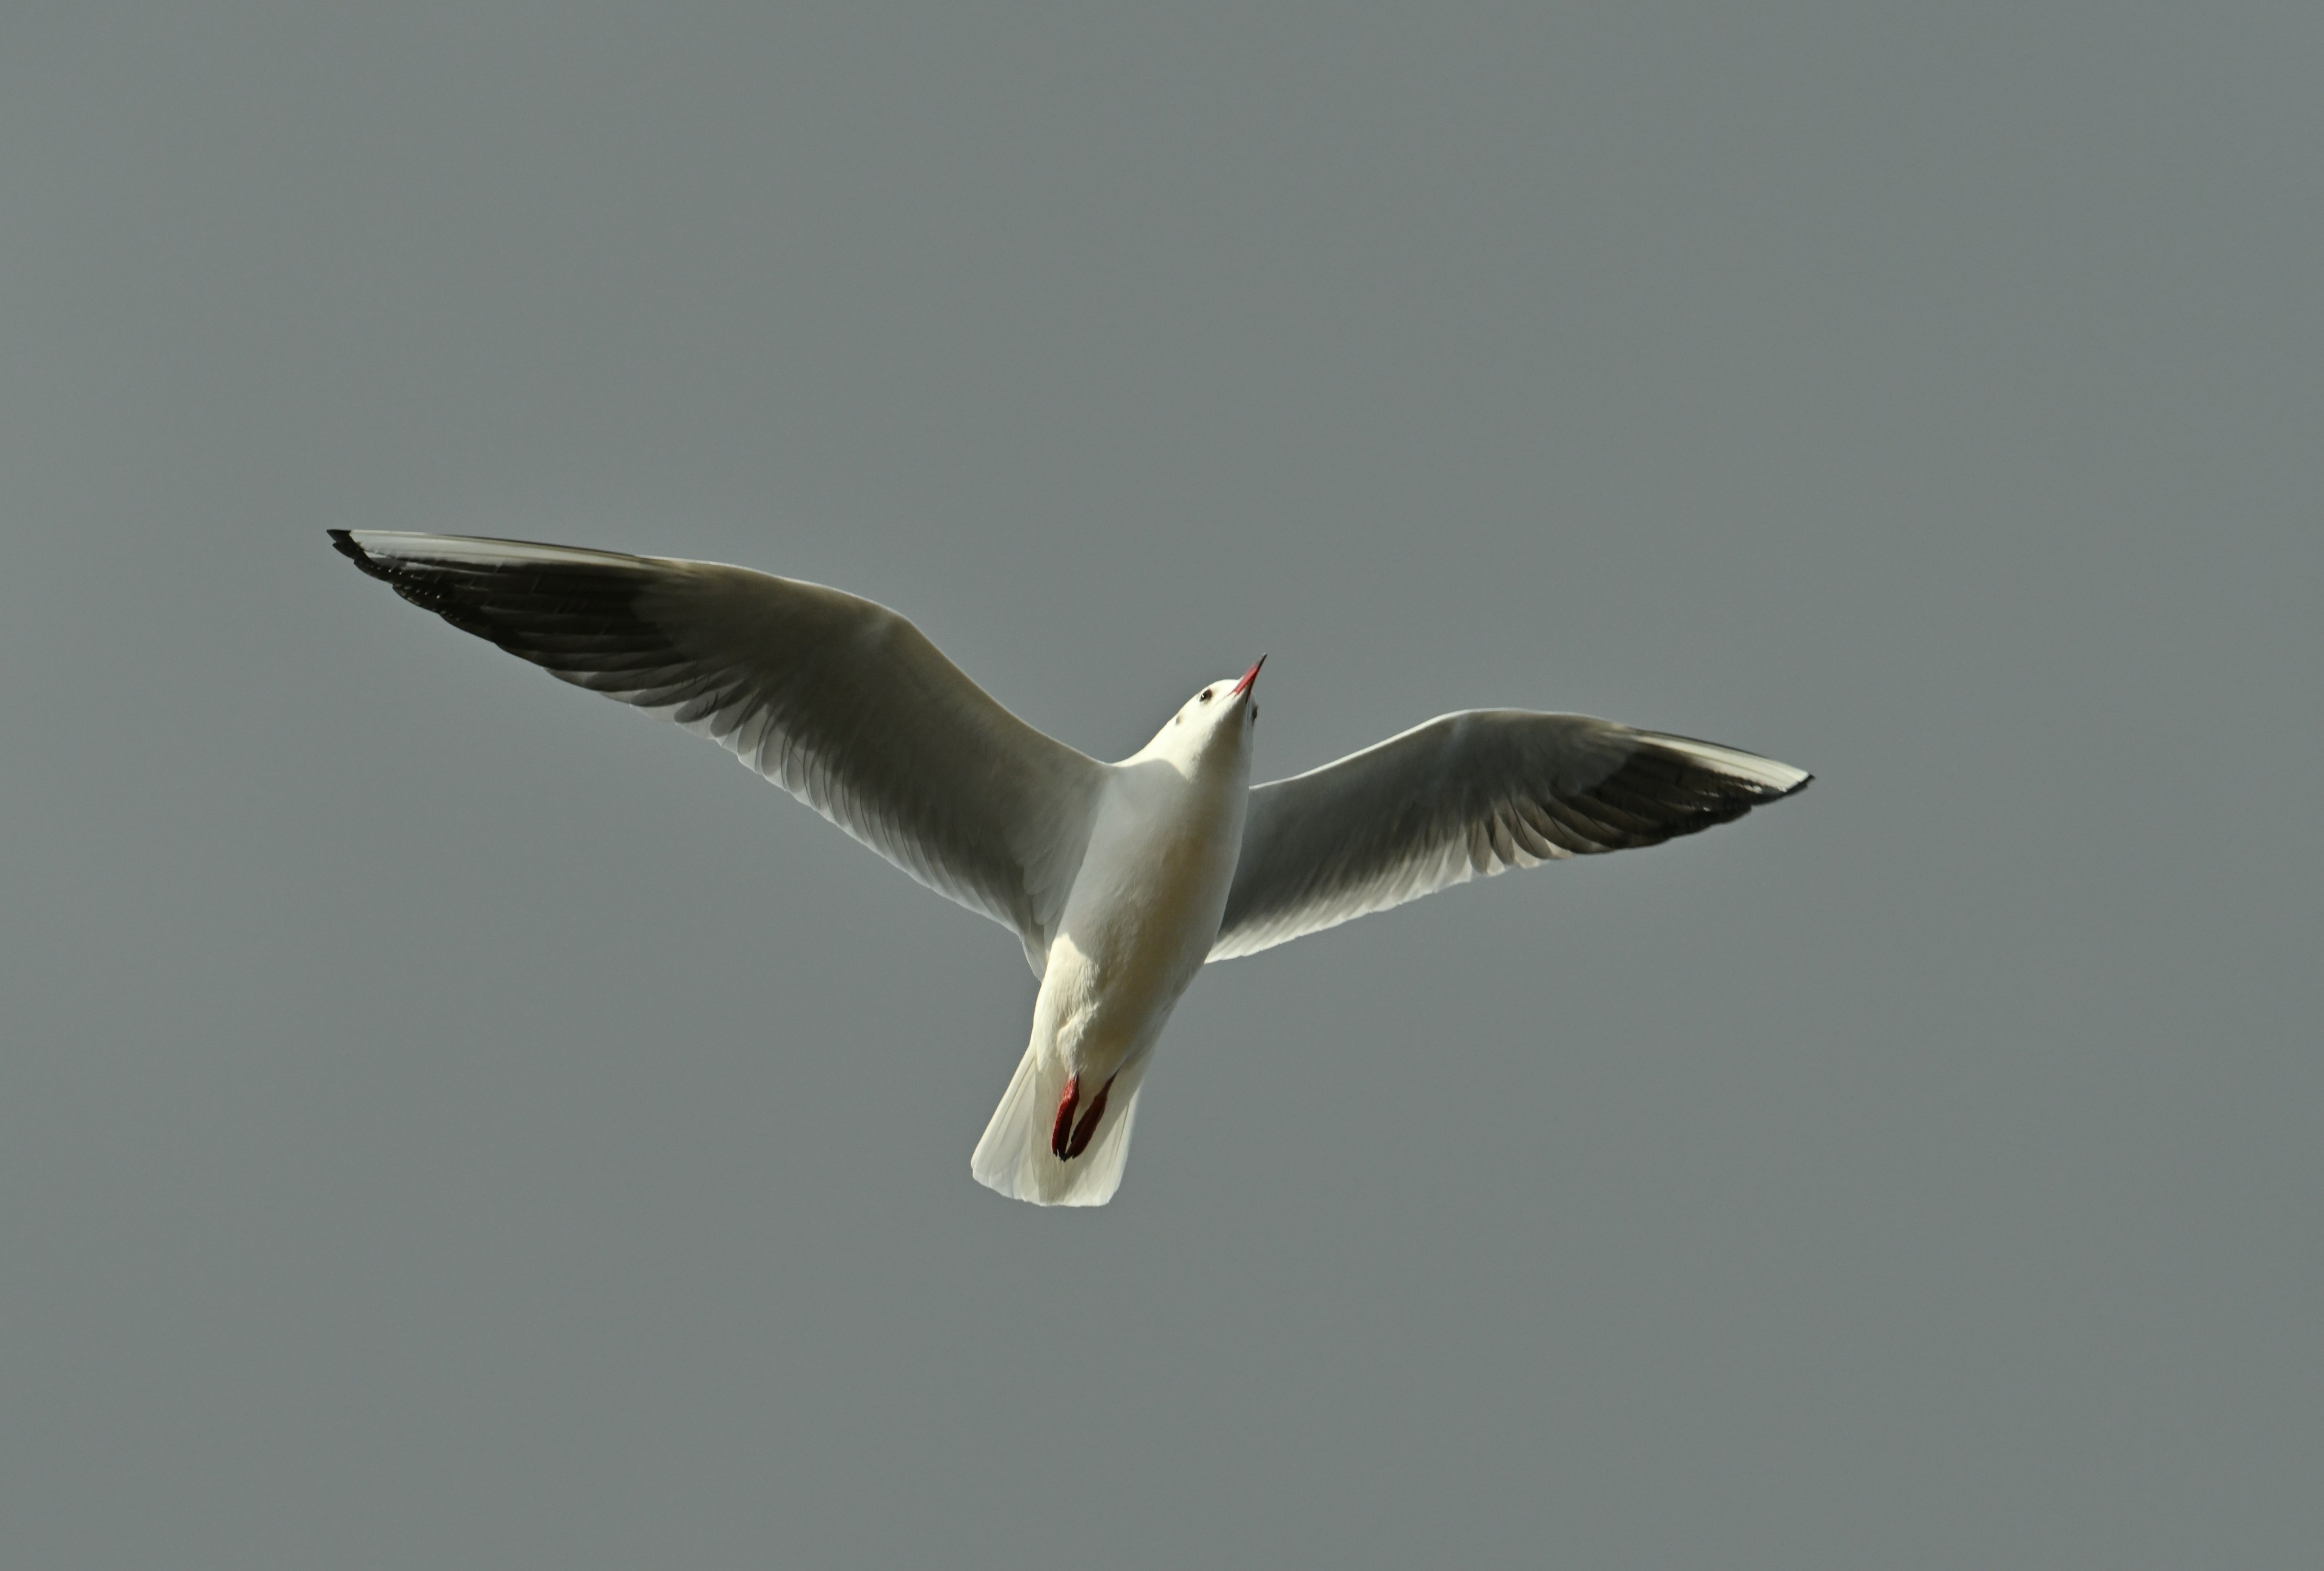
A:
(1254, 714)
(1206, 695)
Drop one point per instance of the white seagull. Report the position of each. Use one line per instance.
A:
(1120, 878)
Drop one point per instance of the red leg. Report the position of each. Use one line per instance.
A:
(1088, 1127)
(1062, 1131)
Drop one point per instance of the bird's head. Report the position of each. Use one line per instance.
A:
(1217, 717)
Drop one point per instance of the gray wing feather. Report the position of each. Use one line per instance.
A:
(1468, 796)
(841, 702)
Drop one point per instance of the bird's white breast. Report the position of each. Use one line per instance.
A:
(1143, 912)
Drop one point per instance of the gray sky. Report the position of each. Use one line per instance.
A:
(445, 1120)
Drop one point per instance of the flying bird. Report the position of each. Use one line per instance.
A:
(1120, 880)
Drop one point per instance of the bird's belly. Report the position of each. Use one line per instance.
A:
(1129, 946)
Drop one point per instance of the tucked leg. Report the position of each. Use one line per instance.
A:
(1061, 1132)
(1088, 1125)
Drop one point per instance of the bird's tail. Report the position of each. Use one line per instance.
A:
(1015, 1156)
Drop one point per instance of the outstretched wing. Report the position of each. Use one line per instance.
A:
(841, 702)
(1467, 796)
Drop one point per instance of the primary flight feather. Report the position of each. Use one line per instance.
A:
(1118, 879)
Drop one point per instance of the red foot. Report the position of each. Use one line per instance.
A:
(1088, 1127)
(1061, 1132)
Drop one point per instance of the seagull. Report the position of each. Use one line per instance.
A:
(1120, 880)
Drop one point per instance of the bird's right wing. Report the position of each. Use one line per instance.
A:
(841, 702)
(1468, 796)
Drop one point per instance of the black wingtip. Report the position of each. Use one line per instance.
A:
(344, 542)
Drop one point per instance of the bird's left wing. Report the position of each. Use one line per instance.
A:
(1468, 796)
(840, 701)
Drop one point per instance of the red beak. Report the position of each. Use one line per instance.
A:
(1248, 676)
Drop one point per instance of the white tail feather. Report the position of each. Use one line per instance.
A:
(1014, 1156)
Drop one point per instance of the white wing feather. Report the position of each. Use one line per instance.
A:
(1468, 796)
(841, 702)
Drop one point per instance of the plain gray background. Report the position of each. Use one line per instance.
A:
(445, 1121)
